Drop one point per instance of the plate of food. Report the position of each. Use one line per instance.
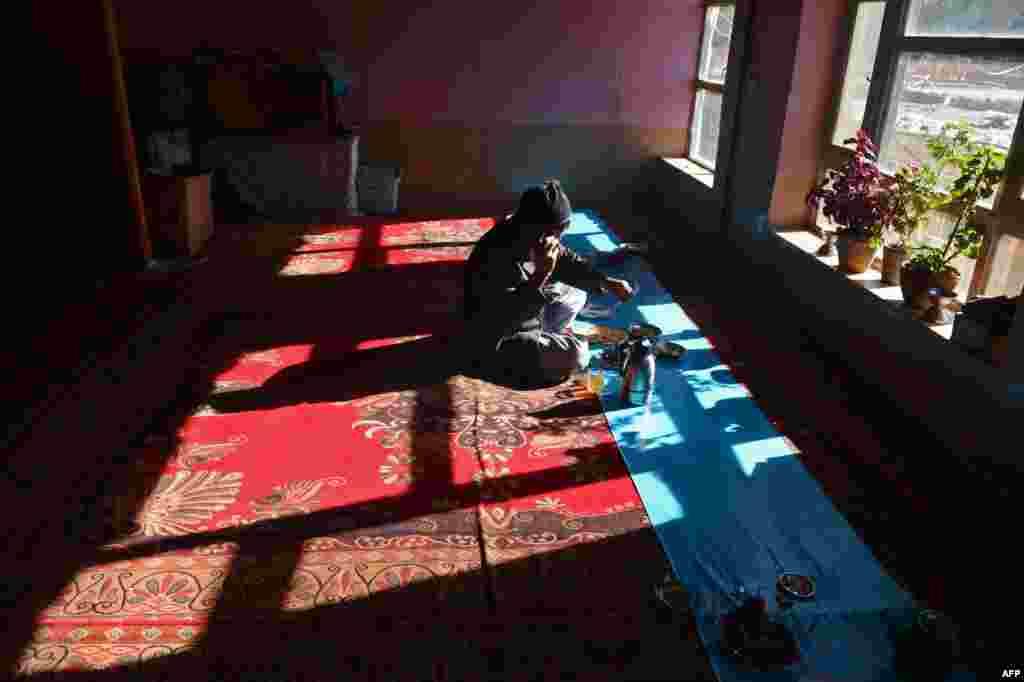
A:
(599, 334)
(669, 349)
(640, 330)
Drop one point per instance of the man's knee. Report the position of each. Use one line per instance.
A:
(571, 354)
(548, 357)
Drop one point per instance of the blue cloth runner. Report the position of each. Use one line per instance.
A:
(732, 505)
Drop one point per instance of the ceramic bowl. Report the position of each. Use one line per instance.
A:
(796, 585)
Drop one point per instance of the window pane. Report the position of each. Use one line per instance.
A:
(715, 51)
(966, 18)
(1007, 275)
(707, 120)
(936, 89)
(863, 48)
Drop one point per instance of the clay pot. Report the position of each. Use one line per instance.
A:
(892, 260)
(915, 284)
(947, 280)
(855, 255)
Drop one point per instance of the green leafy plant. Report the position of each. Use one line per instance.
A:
(980, 168)
(913, 196)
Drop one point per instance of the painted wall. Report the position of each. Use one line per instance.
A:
(682, 204)
(808, 110)
(174, 29)
(476, 100)
(603, 63)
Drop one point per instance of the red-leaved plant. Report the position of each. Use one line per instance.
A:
(857, 197)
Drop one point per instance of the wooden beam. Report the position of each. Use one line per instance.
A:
(123, 120)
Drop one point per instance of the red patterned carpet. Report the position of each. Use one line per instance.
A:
(329, 498)
(334, 500)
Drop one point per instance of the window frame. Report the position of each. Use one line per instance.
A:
(722, 89)
(841, 71)
(1006, 217)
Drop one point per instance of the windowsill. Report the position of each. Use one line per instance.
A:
(696, 171)
(809, 244)
(870, 280)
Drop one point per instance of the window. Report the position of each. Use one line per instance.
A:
(986, 91)
(705, 128)
(867, 30)
(914, 65)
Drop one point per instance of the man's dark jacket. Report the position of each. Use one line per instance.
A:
(499, 301)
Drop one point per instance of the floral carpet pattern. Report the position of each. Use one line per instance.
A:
(468, 491)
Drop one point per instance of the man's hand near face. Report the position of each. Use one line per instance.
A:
(545, 258)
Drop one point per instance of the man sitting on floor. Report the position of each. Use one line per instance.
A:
(523, 289)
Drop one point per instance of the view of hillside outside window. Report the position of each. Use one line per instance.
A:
(714, 59)
(987, 92)
(966, 18)
(954, 60)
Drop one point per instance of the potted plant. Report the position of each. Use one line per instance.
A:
(913, 195)
(857, 198)
(979, 170)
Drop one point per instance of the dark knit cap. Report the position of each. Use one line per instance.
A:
(544, 205)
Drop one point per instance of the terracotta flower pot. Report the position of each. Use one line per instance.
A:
(892, 260)
(947, 280)
(915, 284)
(855, 255)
